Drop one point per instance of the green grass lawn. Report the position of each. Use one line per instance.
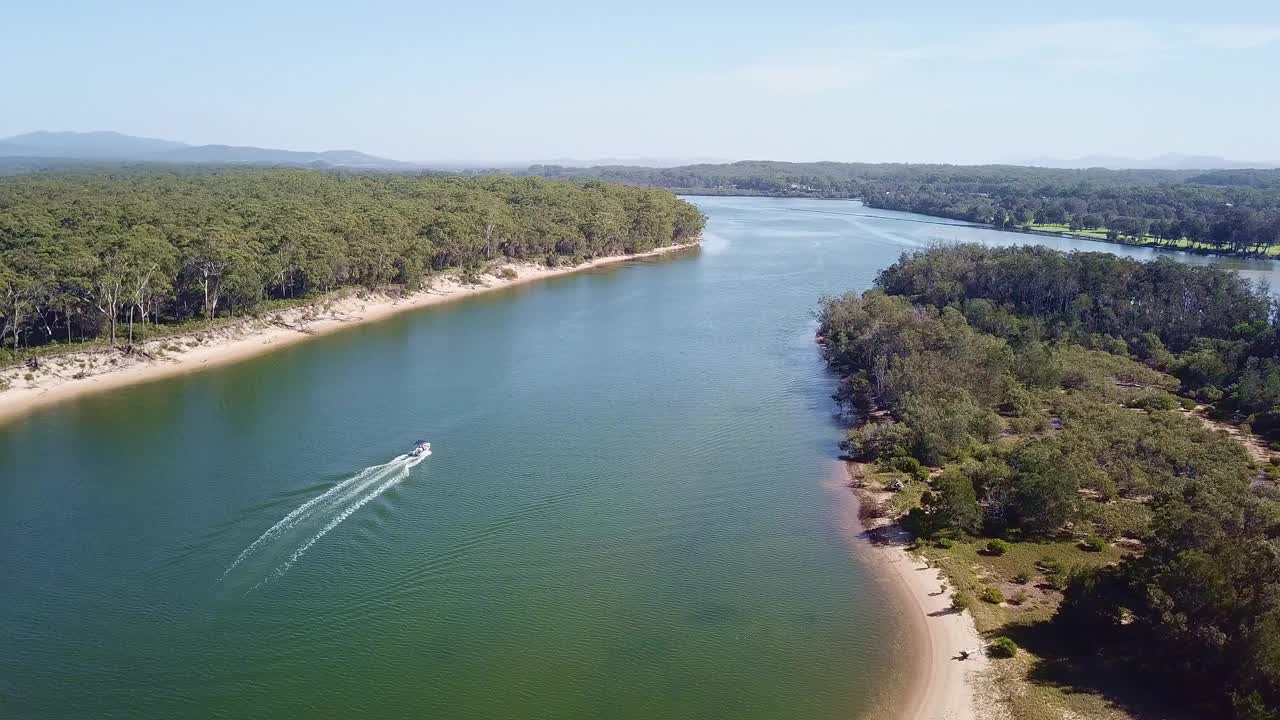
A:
(972, 569)
(1096, 234)
(969, 570)
(1101, 234)
(1187, 244)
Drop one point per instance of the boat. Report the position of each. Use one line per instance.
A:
(421, 449)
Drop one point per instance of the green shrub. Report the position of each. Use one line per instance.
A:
(916, 522)
(1019, 598)
(952, 505)
(1074, 379)
(959, 602)
(1019, 402)
(903, 463)
(1187, 403)
(1030, 425)
(1002, 647)
(873, 441)
(997, 547)
(508, 273)
(992, 595)
(1022, 577)
(1154, 401)
(1119, 519)
(944, 543)
(1050, 566)
(1209, 394)
(1093, 543)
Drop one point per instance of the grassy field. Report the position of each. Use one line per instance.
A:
(1034, 687)
(1096, 234)
(1040, 682)
(1146, 240)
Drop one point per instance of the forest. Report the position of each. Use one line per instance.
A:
(1221, 211)
(1061, 406)
(107, 253)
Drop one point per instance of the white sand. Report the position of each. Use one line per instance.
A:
(73, 374)
(940, 685)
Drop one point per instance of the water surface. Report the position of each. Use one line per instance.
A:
(624, 516)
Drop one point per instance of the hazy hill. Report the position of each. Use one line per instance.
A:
(105, 145)
(1168, 161)
(102, 145)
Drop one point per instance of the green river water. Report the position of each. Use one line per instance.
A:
(626, 514)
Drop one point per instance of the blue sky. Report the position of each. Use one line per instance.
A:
(494, 81)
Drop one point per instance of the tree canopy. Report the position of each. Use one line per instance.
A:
(1225, 211)
(1045, 385)
(88, 254)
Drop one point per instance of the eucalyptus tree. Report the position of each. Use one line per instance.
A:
(85, 252)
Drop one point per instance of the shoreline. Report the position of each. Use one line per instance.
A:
(1067, 234)
(937, 685)
(78, 373)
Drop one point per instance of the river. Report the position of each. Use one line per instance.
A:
(625, 515)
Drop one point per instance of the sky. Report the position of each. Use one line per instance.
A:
(492, 81)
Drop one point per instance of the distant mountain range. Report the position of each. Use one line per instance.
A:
(33, 150)
(106, 145)
(649, 162)
(1168, 161)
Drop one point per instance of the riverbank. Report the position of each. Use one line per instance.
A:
(1064, 232)
(938, 684)
(77, 373)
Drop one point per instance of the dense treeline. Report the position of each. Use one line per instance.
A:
(1226, 211)
(844, 180)
(1040, 383)
(1239, 220)
(1088, 292)
(87, 255)
(1208, 327)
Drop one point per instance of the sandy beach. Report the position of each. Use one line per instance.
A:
(74, 374)
(938, 685)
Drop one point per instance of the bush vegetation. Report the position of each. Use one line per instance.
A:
(1093, 543)
(1225, 211)
(1002, 647)
(82, 254)
(1017, 372)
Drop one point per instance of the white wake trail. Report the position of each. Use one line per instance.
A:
(356, 484)
(394, 480)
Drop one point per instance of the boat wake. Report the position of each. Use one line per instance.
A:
(285, 542)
